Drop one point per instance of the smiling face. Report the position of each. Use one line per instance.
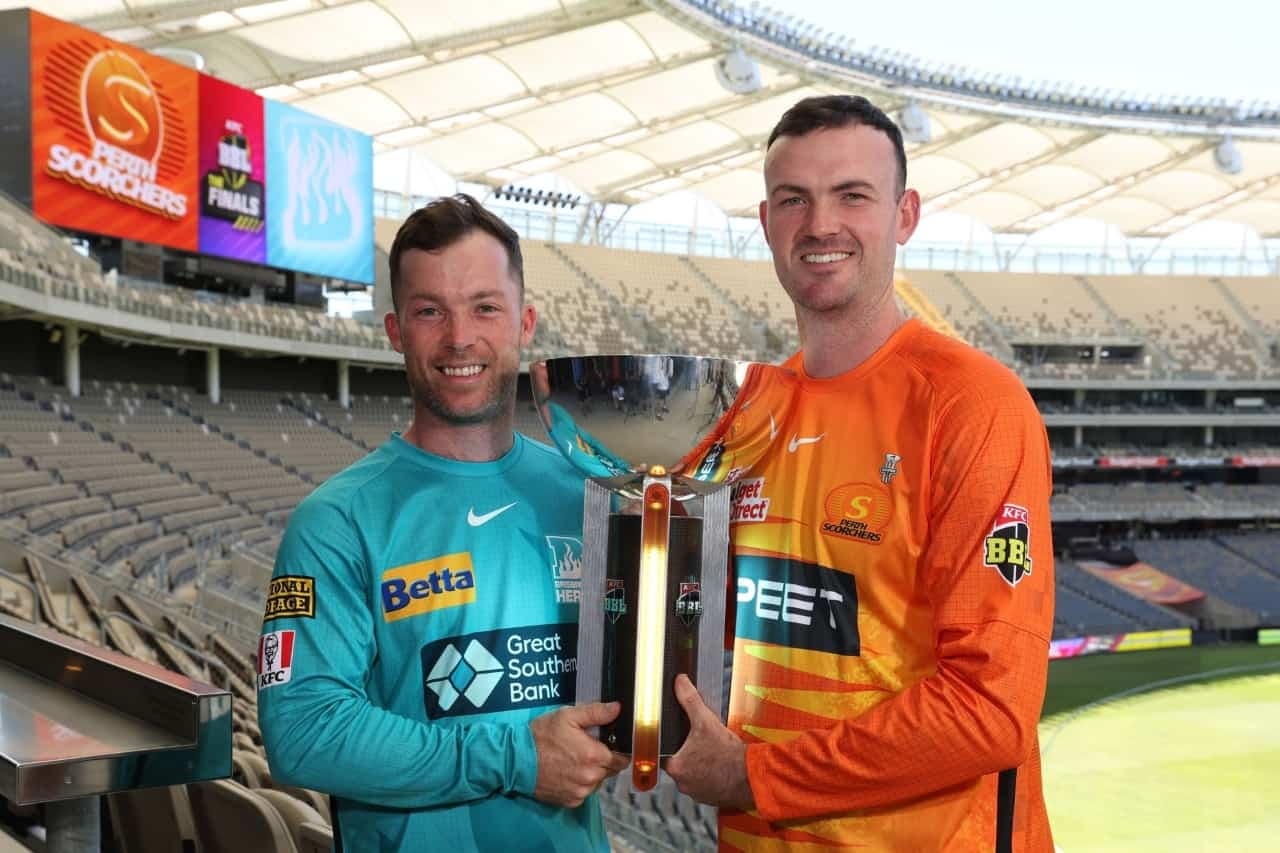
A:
(834, 215)
(461, 324)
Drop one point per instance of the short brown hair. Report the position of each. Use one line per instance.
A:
(836, 111)
(445, 221)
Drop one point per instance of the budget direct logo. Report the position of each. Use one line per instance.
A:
(858, 511)
(427, 586)
(124, 119)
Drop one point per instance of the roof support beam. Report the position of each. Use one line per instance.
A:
(673, 122)
(993, 178)
(1084, 200)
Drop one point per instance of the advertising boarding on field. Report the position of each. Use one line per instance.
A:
(113, 137)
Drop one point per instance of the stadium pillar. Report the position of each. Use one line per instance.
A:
(1078, 438)
(71, 358)
(213, 375)
(1208, 436)
(344, 383)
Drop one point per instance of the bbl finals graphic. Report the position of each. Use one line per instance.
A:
(233, 167)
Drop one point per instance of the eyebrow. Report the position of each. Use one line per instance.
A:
(852, 184)
(479, 296)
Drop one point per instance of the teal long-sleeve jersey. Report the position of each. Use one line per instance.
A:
(422, 611)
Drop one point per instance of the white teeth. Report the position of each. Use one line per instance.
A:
(469, 370)
(828, 258)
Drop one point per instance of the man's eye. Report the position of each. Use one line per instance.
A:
(790, 201)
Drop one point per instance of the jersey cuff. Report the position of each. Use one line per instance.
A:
(524, 770)
(758, 778)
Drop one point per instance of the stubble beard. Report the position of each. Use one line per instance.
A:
(494, 407)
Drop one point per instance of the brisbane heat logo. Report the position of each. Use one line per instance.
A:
(858, 511)
(125, 121)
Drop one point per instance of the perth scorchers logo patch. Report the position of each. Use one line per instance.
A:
(858, 511)
(1007, 548)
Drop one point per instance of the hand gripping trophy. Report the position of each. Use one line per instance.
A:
(660, 439)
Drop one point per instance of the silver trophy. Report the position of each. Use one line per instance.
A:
(659, 437)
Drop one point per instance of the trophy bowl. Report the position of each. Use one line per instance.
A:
(658, 439)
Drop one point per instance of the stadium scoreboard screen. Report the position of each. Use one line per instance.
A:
(127, 144)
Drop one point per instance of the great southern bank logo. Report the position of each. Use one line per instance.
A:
(532, 666)
(473, 674)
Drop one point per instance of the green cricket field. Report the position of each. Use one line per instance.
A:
(1171, 750)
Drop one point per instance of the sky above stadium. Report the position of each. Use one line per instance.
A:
(1159, 47)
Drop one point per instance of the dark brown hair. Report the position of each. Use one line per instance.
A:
(445, 221)
(836, 111)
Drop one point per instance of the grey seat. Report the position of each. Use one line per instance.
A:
(232, 819)
(154, 820)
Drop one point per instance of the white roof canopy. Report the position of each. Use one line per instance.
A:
(620, 98)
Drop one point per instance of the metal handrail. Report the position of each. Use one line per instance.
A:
(108, 615)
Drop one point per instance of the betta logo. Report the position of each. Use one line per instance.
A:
(123, 117)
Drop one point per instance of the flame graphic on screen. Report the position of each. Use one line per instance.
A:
(120, 105)
(323, 202)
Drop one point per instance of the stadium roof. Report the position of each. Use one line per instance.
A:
(621, 98)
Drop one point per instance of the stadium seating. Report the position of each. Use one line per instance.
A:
(1218, 570)
(1082, 596)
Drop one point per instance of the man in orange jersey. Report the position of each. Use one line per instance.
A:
(894, 575)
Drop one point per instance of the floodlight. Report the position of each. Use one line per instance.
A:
(1227, 157)
(915, 124)
(738, 73)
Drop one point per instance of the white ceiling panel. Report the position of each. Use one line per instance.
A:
(476, 149)
(594, 51)
(686, 143)
(573, 121)
(328, 35)
(362, 107)
(463, 85)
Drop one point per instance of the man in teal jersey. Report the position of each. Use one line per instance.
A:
(419, 642)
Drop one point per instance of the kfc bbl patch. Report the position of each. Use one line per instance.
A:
(689, 602)
(290, 595)
(1007, 548)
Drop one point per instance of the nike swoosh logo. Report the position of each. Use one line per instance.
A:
(797, 442)
(773, 428)
(477, 520)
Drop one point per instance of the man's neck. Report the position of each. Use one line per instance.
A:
(483, 442)
(835, 342)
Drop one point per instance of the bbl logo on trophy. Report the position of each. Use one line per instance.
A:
(615, 600)
(689, 602)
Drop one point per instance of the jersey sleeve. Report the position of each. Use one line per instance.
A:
(319, 727)
(987, 572)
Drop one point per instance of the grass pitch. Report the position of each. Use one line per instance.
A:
(1194, 767)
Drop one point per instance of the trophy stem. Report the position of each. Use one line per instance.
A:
(655, 520)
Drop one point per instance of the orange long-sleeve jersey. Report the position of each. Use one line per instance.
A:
(894, 583)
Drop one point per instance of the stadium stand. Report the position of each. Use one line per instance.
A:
(1224, 572)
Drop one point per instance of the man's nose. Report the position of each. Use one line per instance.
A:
(821, 221)
(459, 333)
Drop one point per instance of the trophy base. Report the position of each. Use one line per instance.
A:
(683, 612)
